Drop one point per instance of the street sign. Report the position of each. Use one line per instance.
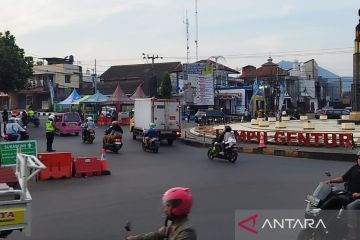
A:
(8, 150)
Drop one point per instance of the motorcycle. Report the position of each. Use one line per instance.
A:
(230, 151)
(153, 145)
(35, 120)
(11, 138)
(88, 135)
(334, 220)
(114, 145)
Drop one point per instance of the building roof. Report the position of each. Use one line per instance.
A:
(131, 76)
(137, 71)
(268, 69)
(220, 66)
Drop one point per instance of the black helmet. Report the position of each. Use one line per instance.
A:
(228, 129)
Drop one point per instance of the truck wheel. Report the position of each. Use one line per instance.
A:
(134, 136)
(170, 141)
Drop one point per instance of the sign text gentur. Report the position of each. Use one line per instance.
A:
(297, 138)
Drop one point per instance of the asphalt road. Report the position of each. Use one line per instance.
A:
(96, 208)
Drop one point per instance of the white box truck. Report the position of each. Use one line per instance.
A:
(165, 113)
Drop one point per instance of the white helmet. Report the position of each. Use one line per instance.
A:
(89, 118)
(52, 117)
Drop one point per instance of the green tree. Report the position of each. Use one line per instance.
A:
(165, 87)
(15, 68)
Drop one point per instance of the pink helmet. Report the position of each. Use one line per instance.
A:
(180, 200)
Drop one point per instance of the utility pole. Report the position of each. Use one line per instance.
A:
(196, 23)
(153, 81)
(95, 80)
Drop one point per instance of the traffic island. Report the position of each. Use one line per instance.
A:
(325, 154)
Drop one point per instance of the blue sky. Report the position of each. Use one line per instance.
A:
(117, 32)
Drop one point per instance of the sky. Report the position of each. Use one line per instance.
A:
(236, 32)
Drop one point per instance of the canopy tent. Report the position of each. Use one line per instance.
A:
(77, 102)
(71, 98)
(139, 93)
(118, 98)
(96, 98)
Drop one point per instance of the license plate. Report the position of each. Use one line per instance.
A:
(117, 143)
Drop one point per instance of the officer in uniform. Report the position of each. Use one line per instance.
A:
(50, 133)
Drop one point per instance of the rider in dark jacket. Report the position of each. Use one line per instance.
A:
(112, 131)
(177, 205)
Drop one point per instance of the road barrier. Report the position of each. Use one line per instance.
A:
(104, 166)
(58, 165)
(87, 166)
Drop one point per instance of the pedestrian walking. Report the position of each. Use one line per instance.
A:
(50, 133)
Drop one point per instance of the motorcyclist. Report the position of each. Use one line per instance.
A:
(112, 131)
(177, 206)
(352, 209)
(150, 134)
(352, 178)
(228, 138)
(24, 118)
(89, 124)
(13, 128)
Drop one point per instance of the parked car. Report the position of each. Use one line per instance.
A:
(208, 114)
(332, 113)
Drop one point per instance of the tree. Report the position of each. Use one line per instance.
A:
(165, 87)
(15, 68)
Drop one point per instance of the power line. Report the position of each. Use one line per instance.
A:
(295, 53)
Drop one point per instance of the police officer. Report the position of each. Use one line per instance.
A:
(50, 133)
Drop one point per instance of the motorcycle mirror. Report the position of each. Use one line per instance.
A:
(128, 226)
(327, 173)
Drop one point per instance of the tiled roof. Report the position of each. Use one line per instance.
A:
(137, 71)
(131, 76)
(268, 69)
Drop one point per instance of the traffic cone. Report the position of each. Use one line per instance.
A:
(262, 141)
(104, 166)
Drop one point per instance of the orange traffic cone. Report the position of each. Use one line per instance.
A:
(262, 141)
(104, 166)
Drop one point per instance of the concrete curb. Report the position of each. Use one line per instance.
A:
(345, 157)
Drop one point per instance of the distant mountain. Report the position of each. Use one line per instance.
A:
(322, 71)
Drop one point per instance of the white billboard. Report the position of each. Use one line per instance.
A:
(198, 87)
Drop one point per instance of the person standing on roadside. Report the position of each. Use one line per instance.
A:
(5, 118)
(50, 133)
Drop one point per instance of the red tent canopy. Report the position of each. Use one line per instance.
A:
(119, 97)
(139, 93)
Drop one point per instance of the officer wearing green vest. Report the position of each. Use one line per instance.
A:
(31, 113)
(50, 133)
